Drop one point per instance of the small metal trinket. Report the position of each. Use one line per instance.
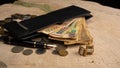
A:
(86, 50)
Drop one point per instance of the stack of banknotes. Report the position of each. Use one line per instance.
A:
(73, 31)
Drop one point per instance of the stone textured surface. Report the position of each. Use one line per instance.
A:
(104, 27)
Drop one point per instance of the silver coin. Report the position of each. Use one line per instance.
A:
(17, 49)
(27, 52)
(40, 51)
(2, 65)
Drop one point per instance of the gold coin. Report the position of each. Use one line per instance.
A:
(62, 52)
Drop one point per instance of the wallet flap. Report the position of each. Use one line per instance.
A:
(27, 27)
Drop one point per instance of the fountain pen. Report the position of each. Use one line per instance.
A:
(27, 43)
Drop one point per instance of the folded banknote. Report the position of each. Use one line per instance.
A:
(82, 37)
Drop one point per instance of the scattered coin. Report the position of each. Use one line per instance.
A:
(7, 20)
(40, 51)
(17, 49)
(27, 52)
(62, 52)
(2, 65)
(17, 16)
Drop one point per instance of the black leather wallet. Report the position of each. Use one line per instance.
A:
(28, 28)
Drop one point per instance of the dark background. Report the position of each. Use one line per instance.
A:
(111, 3)
(6, 1)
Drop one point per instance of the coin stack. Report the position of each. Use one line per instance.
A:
(86, 49)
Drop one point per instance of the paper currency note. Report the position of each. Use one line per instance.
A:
(66, 32)
(78, 26)
(55, 27)
(84, 36)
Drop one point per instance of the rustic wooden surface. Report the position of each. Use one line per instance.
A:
(104, 27)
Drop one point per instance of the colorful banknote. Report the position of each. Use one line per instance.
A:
(66, 31)
(70, 32)
(56, 27)
(82, 36)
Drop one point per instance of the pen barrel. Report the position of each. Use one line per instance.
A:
(31, 44)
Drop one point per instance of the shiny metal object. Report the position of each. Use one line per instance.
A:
(62, 52)
(85, 50)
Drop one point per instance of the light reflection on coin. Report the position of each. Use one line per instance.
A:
(62, 52)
